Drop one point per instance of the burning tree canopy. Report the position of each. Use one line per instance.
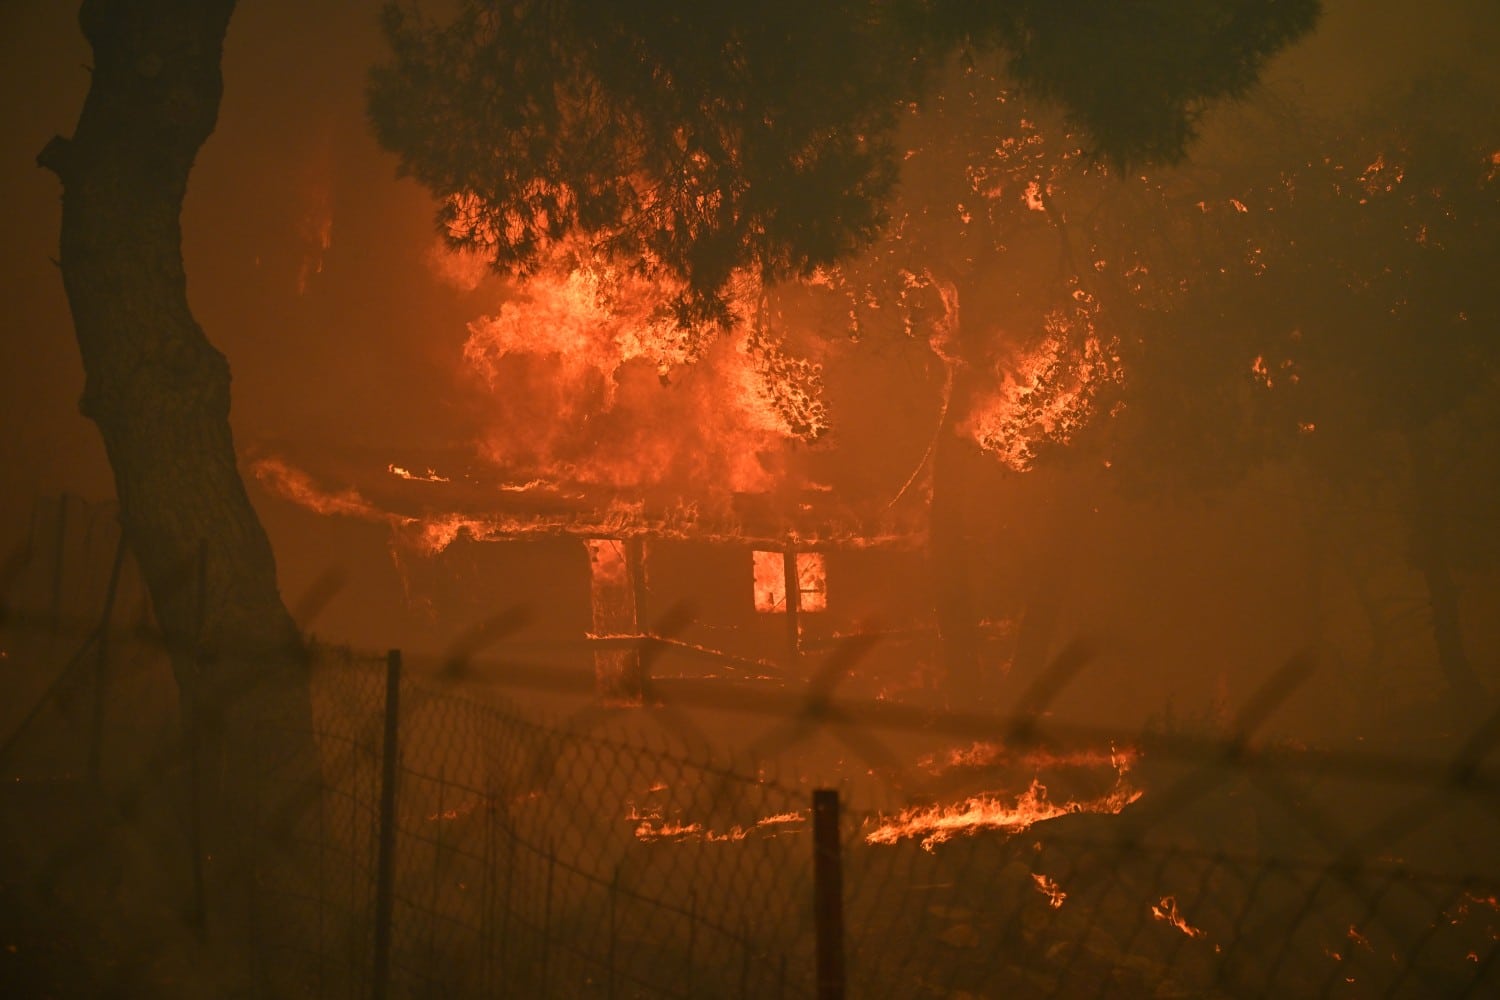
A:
(705, 154)
(697, 140)
(579, 357)
(688, 139)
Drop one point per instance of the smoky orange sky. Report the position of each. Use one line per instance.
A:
(309, 266)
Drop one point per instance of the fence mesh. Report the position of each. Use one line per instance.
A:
(609, 854)
(660, 851)
(552, 859)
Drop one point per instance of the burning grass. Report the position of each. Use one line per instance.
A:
(933, 825)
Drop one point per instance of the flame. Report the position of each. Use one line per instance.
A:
(812, 582)
(769, 570)
(982, 753)
(298, 486)
(593, 376)
(938, 824)
(430, 534)
(977, 754)
(432, 531)
(429, 477)
(770, 581)
(650, 827)
(1047, 394)
(1262, 371)
(1167, 911)
(1047, 887)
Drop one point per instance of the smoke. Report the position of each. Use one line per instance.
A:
(314, 270)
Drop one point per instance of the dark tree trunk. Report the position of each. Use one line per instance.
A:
(159, 393)
(1430, 556)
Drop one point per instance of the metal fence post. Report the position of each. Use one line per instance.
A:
(828, 894)
(385, 863)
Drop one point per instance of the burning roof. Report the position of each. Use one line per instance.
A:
(432, 509)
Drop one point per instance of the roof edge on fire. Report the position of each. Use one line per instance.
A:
(433, 511)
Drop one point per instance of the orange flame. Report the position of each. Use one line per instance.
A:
(593, 378)
(937, 824)
(428, 477)
(1049, 888)
(298, 486)
(1047, 394)
(1167, 911)
(770, 581)
(651, 828)
(982, 753)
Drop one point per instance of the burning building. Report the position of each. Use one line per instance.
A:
(641, 468)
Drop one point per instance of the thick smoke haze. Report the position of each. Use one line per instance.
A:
(317, 273)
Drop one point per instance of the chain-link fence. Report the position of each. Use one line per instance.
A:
(461, 842)
(608, 853)
(518, 858)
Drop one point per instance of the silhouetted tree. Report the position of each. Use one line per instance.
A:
(1323, 296)
(159, 393)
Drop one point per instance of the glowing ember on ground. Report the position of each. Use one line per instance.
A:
(1049, 888)
(1469, 902)
(1166, 910)
(937, 824)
